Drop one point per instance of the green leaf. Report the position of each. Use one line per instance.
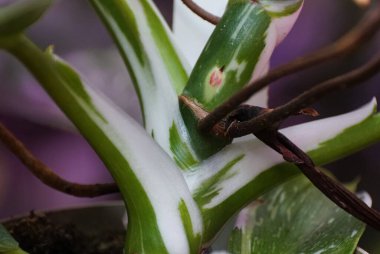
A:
(295, 218)
(8, 245)
(158, 72)
(16, 17)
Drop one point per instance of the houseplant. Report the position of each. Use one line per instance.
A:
(208, 170)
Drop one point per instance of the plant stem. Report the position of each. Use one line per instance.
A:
(213, 19)
(46, 175)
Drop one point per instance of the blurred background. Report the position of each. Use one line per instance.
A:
(79, 37)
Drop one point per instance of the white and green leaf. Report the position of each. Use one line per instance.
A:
(237, 52)
(157, 70)
(247, 168)
(163, 216)
(295, 218)
(187, 25)
(239, 48)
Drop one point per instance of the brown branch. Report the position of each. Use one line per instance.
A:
(342, 197)
(291, 153)
(342, 82)
(47, 176)
(335, 191)
(213, 19)
(361, 33)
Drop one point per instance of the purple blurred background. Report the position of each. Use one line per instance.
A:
(79, 37)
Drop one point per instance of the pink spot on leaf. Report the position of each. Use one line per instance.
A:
(216, 77)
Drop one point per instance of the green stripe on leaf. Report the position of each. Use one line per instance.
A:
(210, 188)
(182, 153)
(164, 44)
(194, 239)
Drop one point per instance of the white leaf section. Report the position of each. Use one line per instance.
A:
(192, 32)
(308, 136)
(360, 251)
(154, 169)
(285, 24)
(159, 99)
(277, 31)
(259, 157)
(365, 197)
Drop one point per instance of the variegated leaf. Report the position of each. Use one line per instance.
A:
(237, 52)
(158, 72)
(246, 169)
(295, 218)
(240, 48)
(187, 25)
(163, 217)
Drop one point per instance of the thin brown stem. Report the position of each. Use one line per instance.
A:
(342, 197)
(213, 19)
(361, 33)
(291, 153)
(46, 175)
(342, 82)
(335, 191)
